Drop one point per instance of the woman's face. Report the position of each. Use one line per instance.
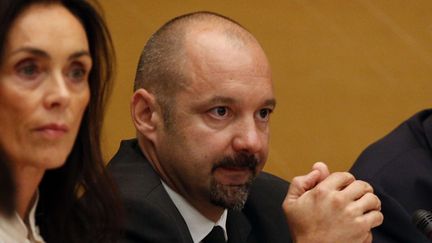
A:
(44, 86)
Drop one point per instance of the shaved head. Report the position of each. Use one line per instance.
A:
(162, 68)
(202, 103)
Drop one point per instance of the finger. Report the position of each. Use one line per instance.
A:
(322, 168)
(366, 203)
(368, 238)
(373, 218)
(301, 184)
(337, 181)
(357, 189)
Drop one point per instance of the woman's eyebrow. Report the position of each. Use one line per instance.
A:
(32, 50)
(79, 54)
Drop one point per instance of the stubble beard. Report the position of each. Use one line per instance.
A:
(233, 196)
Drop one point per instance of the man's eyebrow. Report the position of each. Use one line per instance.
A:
(270, 102)
(221, 99)
(229, 101)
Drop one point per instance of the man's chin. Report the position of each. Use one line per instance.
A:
(229, 196)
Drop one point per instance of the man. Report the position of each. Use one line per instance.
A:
(399, 166)
(201, 107)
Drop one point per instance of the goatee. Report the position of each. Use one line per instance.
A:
(233, 196)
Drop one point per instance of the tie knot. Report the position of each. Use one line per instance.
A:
(215, 236)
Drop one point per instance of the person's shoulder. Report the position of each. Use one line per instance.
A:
(264, 208)
(408, 139)
(133, 174)
(128, 153)
(269, 181)
(151, 219)
(149, 212)
(130, 162)
(268, 189)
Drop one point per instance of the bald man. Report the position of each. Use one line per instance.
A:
(201, 107)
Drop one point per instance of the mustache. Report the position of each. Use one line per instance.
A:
(241, 160)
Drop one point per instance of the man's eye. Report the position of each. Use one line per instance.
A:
(264, 114)
(220, 111)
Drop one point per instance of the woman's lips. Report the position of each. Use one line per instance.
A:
(52, 130)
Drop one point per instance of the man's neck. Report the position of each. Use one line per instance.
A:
(199, 224)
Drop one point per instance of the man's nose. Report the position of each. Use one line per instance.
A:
(248, 137)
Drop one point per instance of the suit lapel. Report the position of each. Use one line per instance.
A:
(238, 227)
(161, 199)
(166, 205)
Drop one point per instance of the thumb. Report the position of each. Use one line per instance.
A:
(323, 169)
(301, 184)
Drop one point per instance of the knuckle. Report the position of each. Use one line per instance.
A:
(376, 219)
(380, 218)
(345, 176)
(378, 202)
(296, 181)
(348, 175)
(362, 225)
(371, 196)
(320, 192)
(338, 173)
(338, 200)
(287, 209)
(366, 186)
(350, 212)
(374, 200)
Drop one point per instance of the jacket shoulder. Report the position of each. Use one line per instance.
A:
(264, 209)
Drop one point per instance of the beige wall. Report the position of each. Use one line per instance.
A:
(346, 72)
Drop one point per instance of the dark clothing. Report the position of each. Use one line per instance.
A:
(152, 216)
(399, 167)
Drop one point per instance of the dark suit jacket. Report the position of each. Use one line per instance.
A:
(399, 167)
(151, 216)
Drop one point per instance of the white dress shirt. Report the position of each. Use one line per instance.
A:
(199, 226)
(14, 230)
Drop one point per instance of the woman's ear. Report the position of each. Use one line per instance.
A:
(144, 113)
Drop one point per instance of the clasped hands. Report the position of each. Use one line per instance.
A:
(321, 207)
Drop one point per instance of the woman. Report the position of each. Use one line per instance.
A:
(7, 188)
(55, 70)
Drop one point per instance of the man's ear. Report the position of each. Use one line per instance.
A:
(145, 114)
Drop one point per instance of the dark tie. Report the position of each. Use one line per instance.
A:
(215, 236)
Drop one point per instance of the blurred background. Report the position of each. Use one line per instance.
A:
(345, 72)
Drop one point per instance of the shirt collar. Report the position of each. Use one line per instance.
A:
(34, 230)
(15, 228)
(199, 226)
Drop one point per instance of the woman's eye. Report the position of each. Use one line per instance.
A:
(220, 111)
(77, 73)
(28, 70)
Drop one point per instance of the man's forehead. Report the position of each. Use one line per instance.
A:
(221, 59)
